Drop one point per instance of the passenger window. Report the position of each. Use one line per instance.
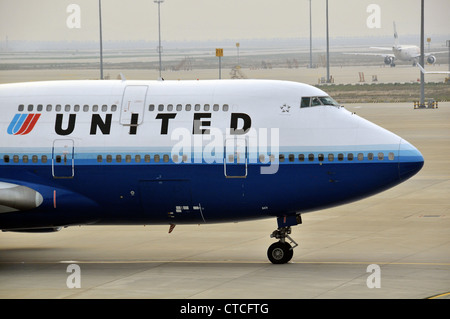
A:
(108, 158)
(39, 108)
(281, 157)
(34, 159)
(67, 108)
(137, 158)
(16, 158)
(197, 107)
(85, 108)
(215, 107)
(185, 158)
(25, 158)
(94, 108)
(206, 107)
(320, 157)
(305, 102)
(188, 107)
(6, 158)
(330, 157)
(113, 108)
(147, 158)
(311, 157)
(104, 108)
(128, 158)
(291, 157)
(76, 108)
(350, 156)
(340, 157)
(301, 157)
(21, 108)
(118, 158)
(225, 108)
(165, 158)
(156, 158)
(99, 158)
(58, 158)
(380, 156)
(30, 107)
(151, 107)
(370, 156)
(391, 156)
(49, 108)
(360, 156)
(175, 158)
(58, 108)
(179, 107)
(261, 158)
(170, 107)
(44, 159)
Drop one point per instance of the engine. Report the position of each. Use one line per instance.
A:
(388, 60)
(431, 59)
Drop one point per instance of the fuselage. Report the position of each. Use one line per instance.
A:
(173, 152)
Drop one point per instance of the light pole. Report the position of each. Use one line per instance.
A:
(159, 31)
(422, 47)
(310, 36)
(328, 51)
(101, 40)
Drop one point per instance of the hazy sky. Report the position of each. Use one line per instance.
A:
(215, 19)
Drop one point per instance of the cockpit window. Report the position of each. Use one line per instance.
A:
(326, 100)
(317, 100)
(305, 101)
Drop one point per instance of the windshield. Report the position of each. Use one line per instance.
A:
(326, 100)
(317, 100)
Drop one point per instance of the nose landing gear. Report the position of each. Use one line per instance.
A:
(281, 252)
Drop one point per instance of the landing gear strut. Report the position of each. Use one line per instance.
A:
(281, 252)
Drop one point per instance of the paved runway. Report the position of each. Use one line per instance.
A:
(397, 242)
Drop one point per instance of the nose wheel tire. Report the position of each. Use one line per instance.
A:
(280, 253)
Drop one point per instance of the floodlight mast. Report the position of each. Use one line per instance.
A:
(159, 31)
(101, 38)
(422, 45)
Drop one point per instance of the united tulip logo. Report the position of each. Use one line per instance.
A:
(22, 124)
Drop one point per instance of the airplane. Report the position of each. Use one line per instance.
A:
(401, 52)
(128, 152)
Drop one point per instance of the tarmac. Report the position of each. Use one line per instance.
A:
(394, 245)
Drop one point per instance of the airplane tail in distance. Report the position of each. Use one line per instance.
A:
(395, 35)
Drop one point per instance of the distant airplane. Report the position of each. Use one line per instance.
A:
(186, 152)
(409, 53)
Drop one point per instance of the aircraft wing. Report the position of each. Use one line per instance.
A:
(432, 53)
(431, 72)
(382, 48)
(373, 54)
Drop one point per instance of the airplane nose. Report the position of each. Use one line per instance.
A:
(410, 160)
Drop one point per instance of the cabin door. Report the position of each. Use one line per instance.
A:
(63, 164)
(235, 157)
(133, 103)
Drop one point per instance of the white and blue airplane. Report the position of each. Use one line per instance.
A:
(184, 152)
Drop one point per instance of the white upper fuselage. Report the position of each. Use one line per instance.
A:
(269, 104)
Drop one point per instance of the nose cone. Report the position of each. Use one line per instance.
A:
(410, 160)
